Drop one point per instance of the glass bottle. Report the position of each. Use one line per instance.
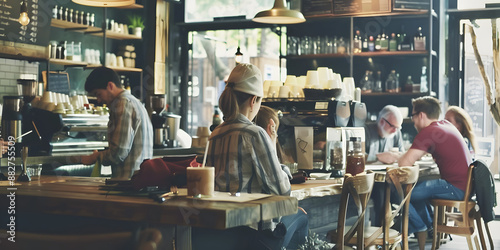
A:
(364, 47)
(335, 48)
(371, 44)
(356, 46)
(384, 42)
(393, 43)
(419, 40)
(92, 20)
(355, 162)
(423, 80)
(366, 83)
(378, 82)
(60, 13)
(392, 83)
(378, 44)
(70, 17)
(65, 14)
(409, 84)
(342, 48)
(54, 12)
(76, 16)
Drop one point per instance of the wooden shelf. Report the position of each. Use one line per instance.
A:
(400, 14)
(67, 62)
(392, 53)
(73, 26)
(117, 69)
(95, 31)
(362, 54)
(118, 36)
(385, 94)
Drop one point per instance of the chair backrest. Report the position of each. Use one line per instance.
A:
(359, 187)
(469, 188)
(484, 188)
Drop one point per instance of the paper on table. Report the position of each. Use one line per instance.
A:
(226, 196)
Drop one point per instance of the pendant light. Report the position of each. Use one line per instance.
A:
(279, 14)
(24, 19)
(238, 56)
(105, 3)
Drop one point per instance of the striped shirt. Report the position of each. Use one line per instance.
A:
(245, 160)
(130, 136)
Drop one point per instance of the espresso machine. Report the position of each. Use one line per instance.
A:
(313, 133)
(29, 127)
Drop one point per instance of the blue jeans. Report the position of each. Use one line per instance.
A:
(297, 225)
(420, 215)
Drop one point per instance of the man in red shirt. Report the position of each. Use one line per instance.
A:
(446, 145)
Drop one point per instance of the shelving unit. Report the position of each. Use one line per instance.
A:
(99, 32)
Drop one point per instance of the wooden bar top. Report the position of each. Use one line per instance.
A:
(82, 196)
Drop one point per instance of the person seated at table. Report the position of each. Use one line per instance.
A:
(242, 153)
(297, 225)
(384, 135)
(462, 121)
(446, 145)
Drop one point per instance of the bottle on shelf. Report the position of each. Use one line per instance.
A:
(378, 43)
(371, 44)
(423, 80)
(366, 83)
(392, 83)
(377, 86)
(357, 43)
(405, 43)
(75, 16)
(355, 160)
(81, 17)
(419, 40)
(384, 42)
(60, 13)
(335, 47)
(92, 20)
(342, 46)
(70, 17)
(393, 43)
(364, 47)
(54, 12)
(409, 84)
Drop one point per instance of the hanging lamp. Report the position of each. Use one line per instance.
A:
(105, 3)
(24, 19)
(238, 56)
(279, 14)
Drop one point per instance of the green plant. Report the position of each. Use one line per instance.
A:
(136, 21)
(313, 242)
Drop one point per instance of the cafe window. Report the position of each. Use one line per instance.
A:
(213, 57)
(207, 10)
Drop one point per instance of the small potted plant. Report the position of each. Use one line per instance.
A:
(136, 24)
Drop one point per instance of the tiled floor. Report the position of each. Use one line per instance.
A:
(459, 242)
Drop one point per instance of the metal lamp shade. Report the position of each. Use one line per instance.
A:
(279, 14)
(105, 3)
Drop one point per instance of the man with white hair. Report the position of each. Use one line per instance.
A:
(384, 135)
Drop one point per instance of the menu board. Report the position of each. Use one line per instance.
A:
(33, 33)
(58, 82)
(474, 100)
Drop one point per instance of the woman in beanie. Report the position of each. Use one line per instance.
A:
(245, 160)
(242, 153)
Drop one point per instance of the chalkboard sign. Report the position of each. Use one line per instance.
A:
(58, 82)
(475, 97)
(36, 32)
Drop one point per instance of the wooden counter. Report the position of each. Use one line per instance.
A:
(82, 196)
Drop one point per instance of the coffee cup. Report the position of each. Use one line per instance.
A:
(200, 181)
(284, 92)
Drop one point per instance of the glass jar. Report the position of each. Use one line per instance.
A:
(355, 162)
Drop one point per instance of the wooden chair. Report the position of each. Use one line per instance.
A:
(359, 187)
(403, 179)
(457, 217)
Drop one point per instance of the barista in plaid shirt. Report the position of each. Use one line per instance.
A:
(130, 133)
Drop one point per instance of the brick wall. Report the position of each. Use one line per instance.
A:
(11, 70)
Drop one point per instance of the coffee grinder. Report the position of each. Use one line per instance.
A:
(38, 125)
(158, 119)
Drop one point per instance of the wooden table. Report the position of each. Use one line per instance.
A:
(81, 196)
